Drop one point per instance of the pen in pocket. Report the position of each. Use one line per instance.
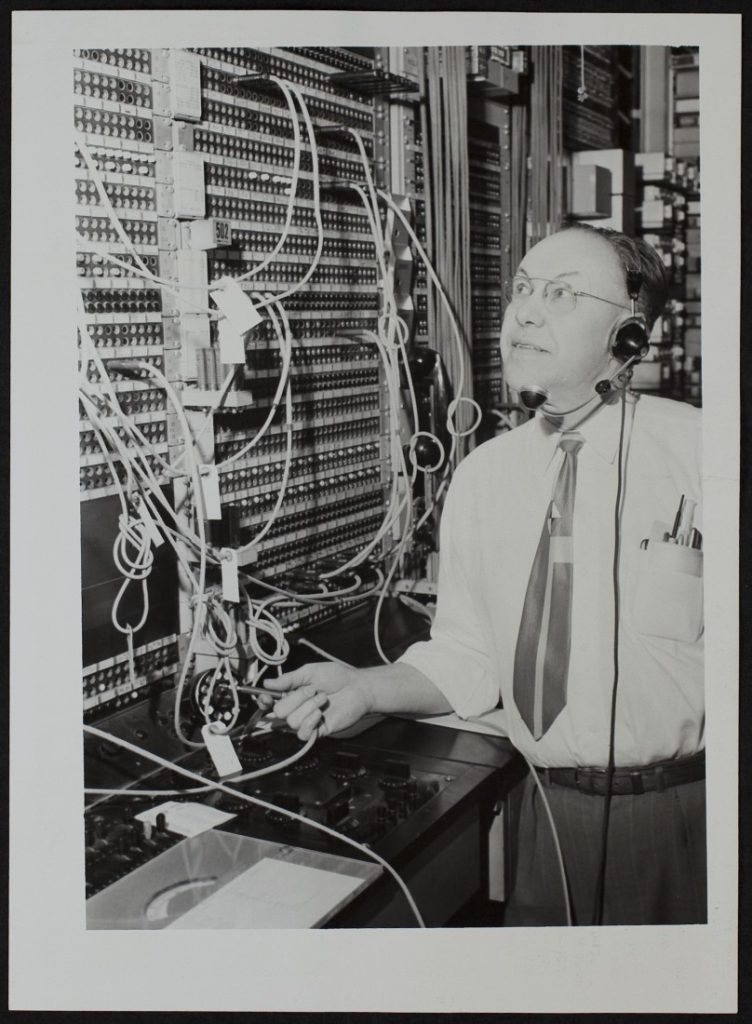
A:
(685, 514)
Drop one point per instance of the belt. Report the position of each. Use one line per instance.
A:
(651, 778)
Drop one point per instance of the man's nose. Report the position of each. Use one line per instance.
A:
(529, 310)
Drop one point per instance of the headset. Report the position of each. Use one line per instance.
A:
(628, 344)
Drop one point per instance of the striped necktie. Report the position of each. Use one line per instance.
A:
(541, 660)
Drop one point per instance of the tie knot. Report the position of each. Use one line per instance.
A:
(571, 441)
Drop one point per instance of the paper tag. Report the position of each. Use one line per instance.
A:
(236, 305)
(210, 487)
(221, 751)
(231, 344)
(229, 566)
(148, 523)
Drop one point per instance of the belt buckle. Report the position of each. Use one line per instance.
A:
(638, 785)
(583, 781)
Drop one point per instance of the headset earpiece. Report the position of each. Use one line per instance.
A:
(630, 339)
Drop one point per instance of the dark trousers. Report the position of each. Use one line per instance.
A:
(656, 859)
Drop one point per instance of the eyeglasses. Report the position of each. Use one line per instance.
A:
(558, 296)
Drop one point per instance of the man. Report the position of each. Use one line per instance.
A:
(528, 589)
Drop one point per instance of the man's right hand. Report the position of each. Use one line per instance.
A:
(322, 696)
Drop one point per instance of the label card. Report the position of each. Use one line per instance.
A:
(231, 343)
(235, 305)
(210, 488)
(229, 567)
(221, 751)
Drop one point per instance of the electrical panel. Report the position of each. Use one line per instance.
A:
(221, 183)
(489, 251)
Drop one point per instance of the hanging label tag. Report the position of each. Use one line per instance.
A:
(235, 305)
(148, 523)
(210, 487)
(230, 588)
(221, 751)
(231, 344)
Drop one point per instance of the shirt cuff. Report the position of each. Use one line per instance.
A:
(464, 682)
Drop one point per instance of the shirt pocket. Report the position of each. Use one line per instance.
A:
(668, 598)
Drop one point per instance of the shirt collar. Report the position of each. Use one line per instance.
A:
(600, 431)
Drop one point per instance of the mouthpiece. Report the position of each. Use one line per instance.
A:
(532, 396)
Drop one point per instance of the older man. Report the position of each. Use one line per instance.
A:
(571, 589)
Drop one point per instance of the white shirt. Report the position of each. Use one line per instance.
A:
(490, 529)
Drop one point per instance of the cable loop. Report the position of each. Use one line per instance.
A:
(411, 452)
(452, 408)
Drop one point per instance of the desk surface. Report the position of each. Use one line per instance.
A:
(417, 737)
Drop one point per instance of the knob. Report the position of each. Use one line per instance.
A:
(397, 769)
(346, 762)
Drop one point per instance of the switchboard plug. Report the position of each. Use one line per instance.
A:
(258, 81)
(127, 368)
(336, 188)
(333, 131)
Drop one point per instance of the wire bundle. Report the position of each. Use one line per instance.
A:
(546, 145)
(446, 77)
(183, 526)
(519, 150)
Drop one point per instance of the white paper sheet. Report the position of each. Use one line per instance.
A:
(272, 894)
(187, 819)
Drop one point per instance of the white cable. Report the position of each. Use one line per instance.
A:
(316, 202)
(394, 323)
(239, 794)
(145, 494)
(146, 792)
(285, 345)
(342, 596)
(98, 433)
(222, 645)
(141, 443)
(138, 570)
(440, 459)
(286, 92)
(416, 606)
(200, 513)
(382, 596)
(555, 834)
(279, 766)
(282, 486)
(459, 384)
(140, 271)
(105, 199)
(235, 779)
(288, 442)
(260, 618)
(392, 513)
(302, 642)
